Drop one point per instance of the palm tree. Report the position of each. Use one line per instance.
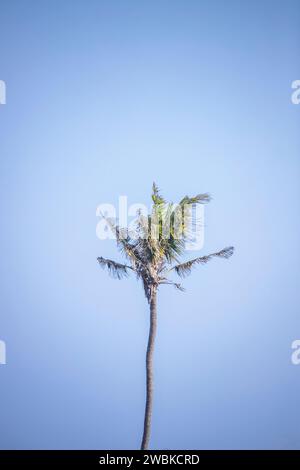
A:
(152, 254)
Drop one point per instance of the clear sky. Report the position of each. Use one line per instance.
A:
(103, 97)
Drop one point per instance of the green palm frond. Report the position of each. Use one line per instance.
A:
(166, 242)
(184, 269)
(115, 269)
(198, 199)
(187, 203)
(156, 196)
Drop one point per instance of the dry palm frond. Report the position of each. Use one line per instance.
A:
(184, 269)
(171, 283)
(115, 269)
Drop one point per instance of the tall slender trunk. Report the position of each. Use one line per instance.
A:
(149, 370)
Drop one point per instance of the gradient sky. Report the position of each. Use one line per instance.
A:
(103, 97)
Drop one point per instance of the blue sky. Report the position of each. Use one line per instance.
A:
(103, 97)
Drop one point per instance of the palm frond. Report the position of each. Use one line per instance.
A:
(184, 269)
(156, 196)
(198, 199)
(172, 283)
(116, 270)
(187, 205)
(124, 242)
(170, 243)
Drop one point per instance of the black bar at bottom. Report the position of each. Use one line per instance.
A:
(133, 459)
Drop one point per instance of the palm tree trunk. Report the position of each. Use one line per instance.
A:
(149, 370)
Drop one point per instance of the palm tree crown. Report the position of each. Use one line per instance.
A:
(152, 255)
